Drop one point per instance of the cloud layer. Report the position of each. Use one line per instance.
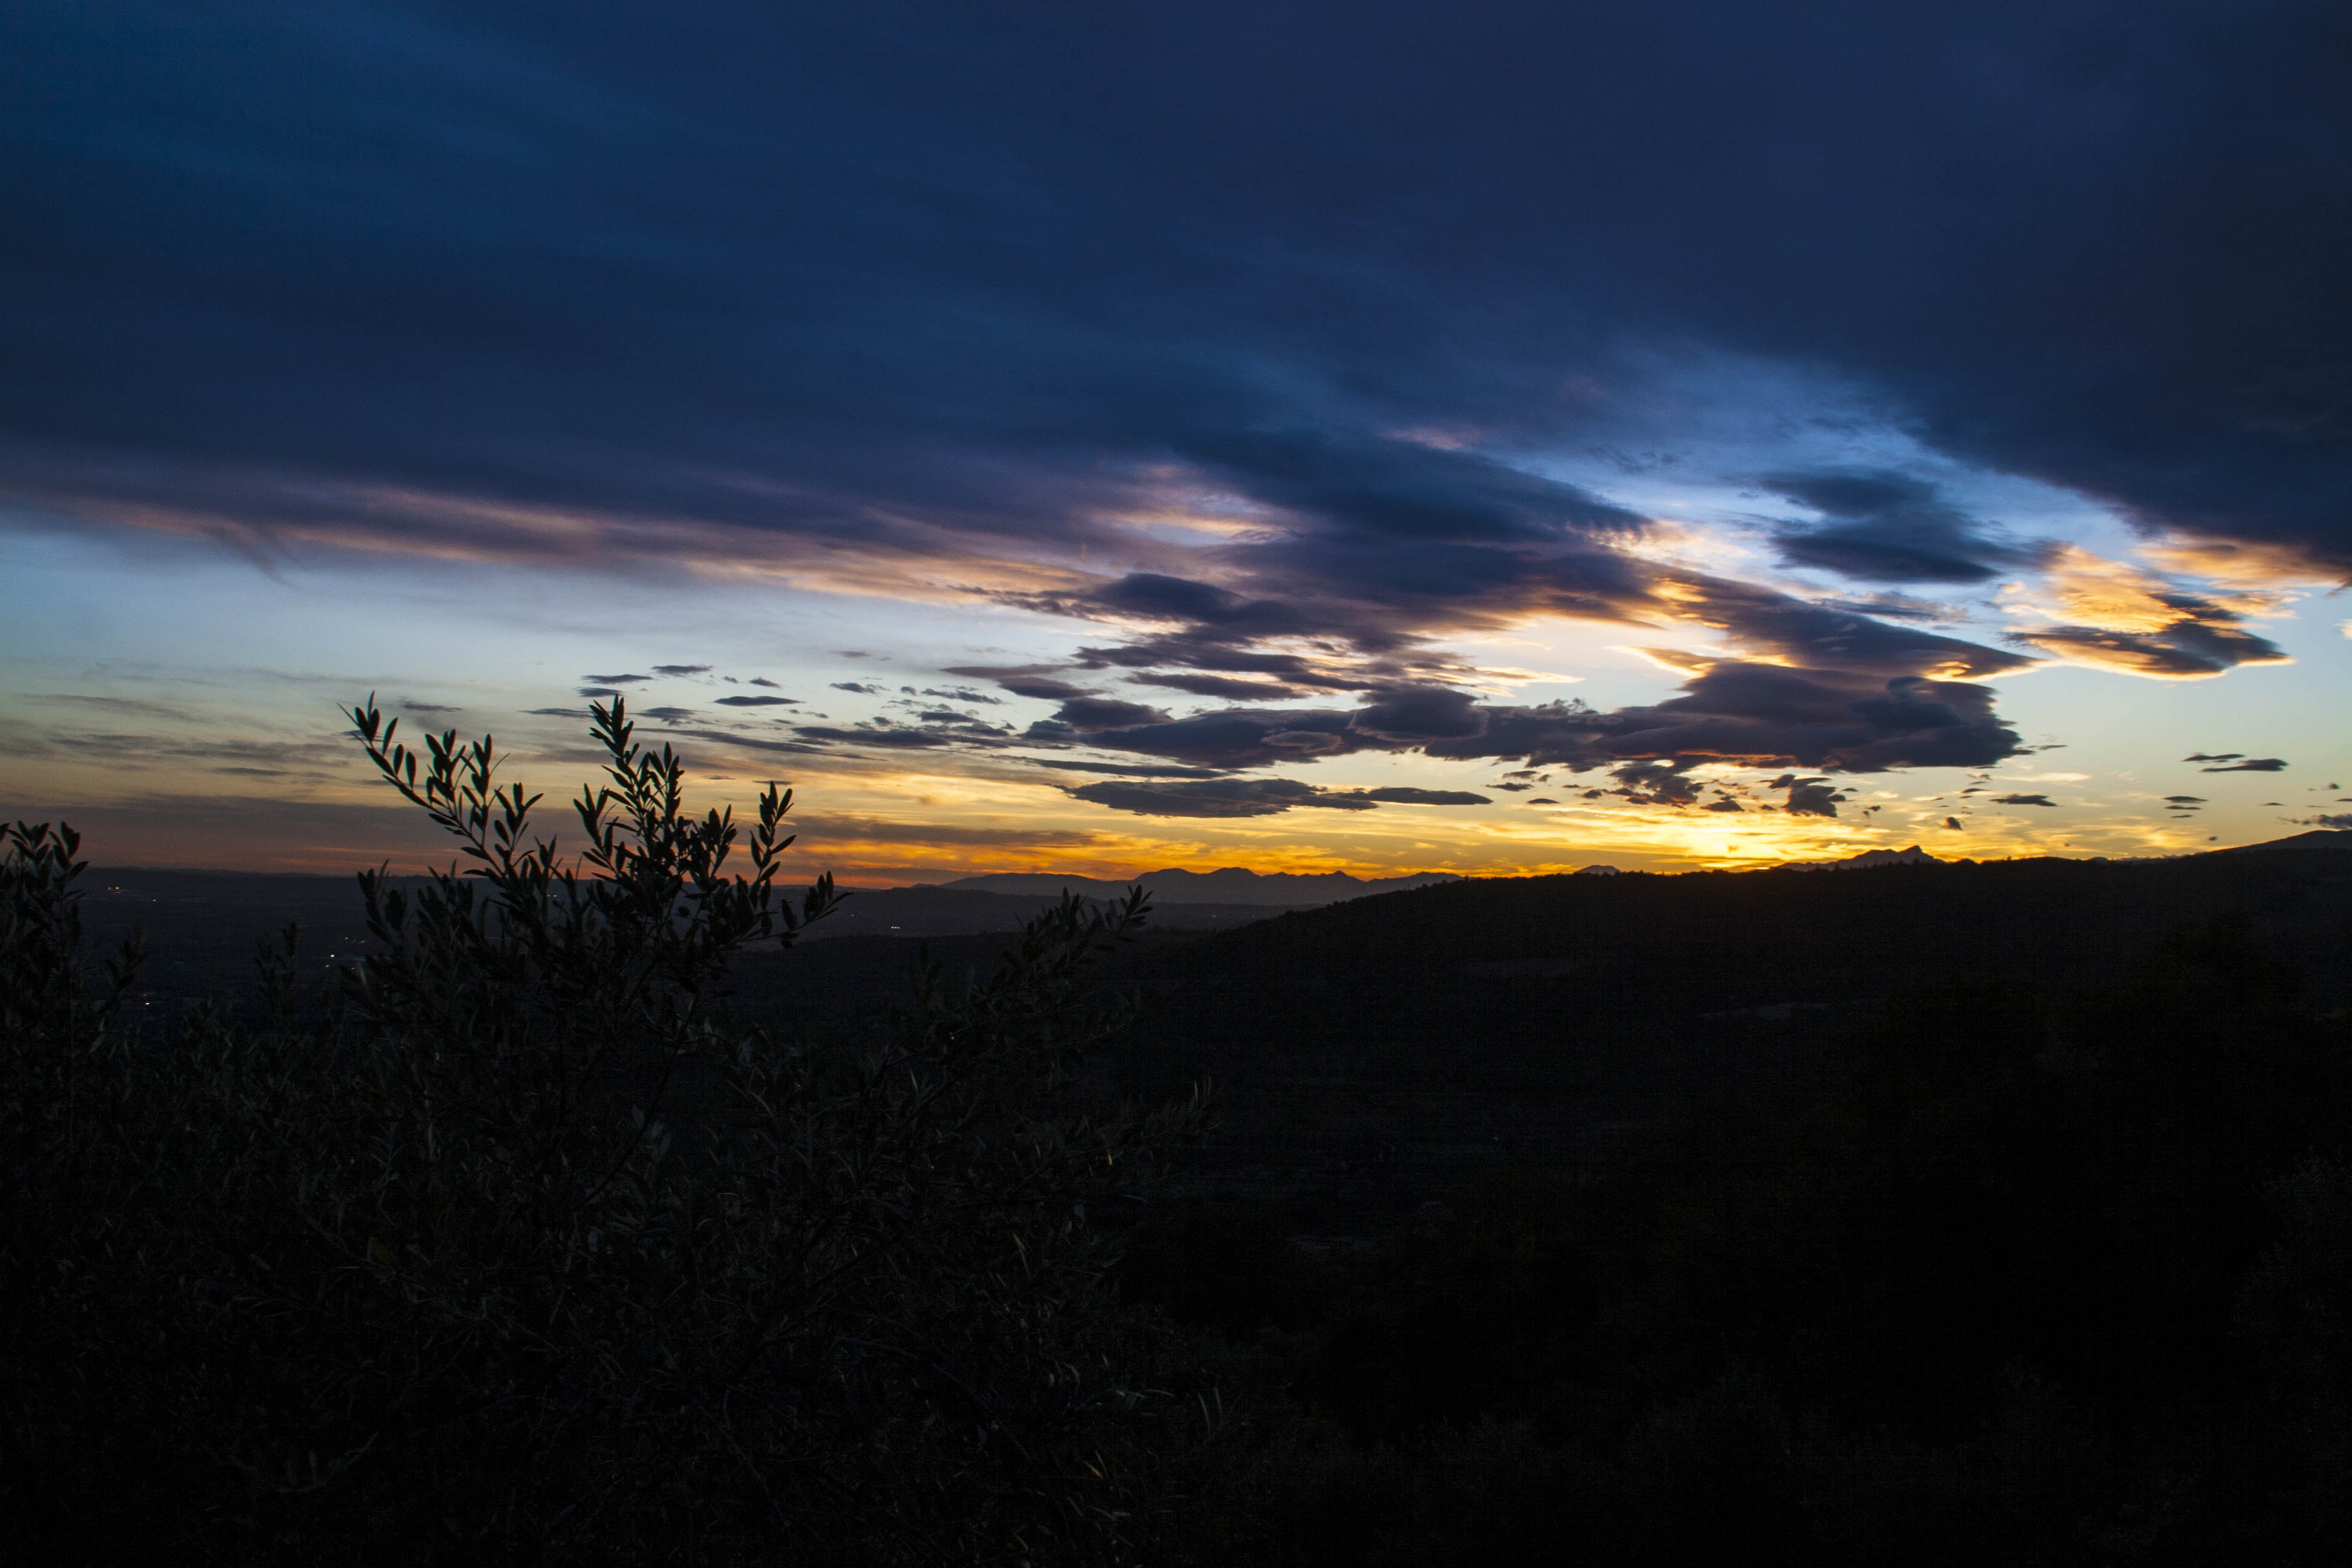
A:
(1282, 367)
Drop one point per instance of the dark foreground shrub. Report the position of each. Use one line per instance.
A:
(520, 1249)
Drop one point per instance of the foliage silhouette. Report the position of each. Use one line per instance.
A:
(517, 1244)
(513, 1245)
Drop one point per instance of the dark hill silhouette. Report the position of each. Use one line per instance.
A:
(202, 926)
(1379, 1045)
(957, 911)
(2318, 839)
(1226, 885)
(1368, 1050)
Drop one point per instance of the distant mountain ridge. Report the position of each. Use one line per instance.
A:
(1914, 856)
(1226, 885)
(2318, 839)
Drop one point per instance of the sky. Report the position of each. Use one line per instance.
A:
(1378, 438)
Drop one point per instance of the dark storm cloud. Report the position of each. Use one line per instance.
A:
(1661, 782)
(1242, 738)
(1201, 653)
(1890, 528)
(1764, 715)
(1415, 714)
(1041, 681)
(1043, 688)
(1217, 686)
(1821, 636)
(758, 702)
(688, 669)
(1384, 489)
(2250, 765)
(1097, 713)
(1759, 715)
(1811, 798)
(491, 283)
(2022, 800)
(1967, 292)
(1864, 699)
(1258, 797)
(1139, 771)
(1217, 797)
(615, 680)
(2185, 649)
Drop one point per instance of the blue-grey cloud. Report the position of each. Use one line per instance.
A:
(1891, 528)
(1758, 715)
(2207, 639)
(1122, 769)
(1222, 685)
(1406, 794)
(1808, 797)
(1228, 797)
(1217, 797)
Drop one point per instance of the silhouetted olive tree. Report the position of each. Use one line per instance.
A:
(517, 1247)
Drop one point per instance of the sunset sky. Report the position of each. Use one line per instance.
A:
(1374, 438)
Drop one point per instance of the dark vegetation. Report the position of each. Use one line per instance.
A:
(1967, 1214)
(1999, 1276)
(514, 1244)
